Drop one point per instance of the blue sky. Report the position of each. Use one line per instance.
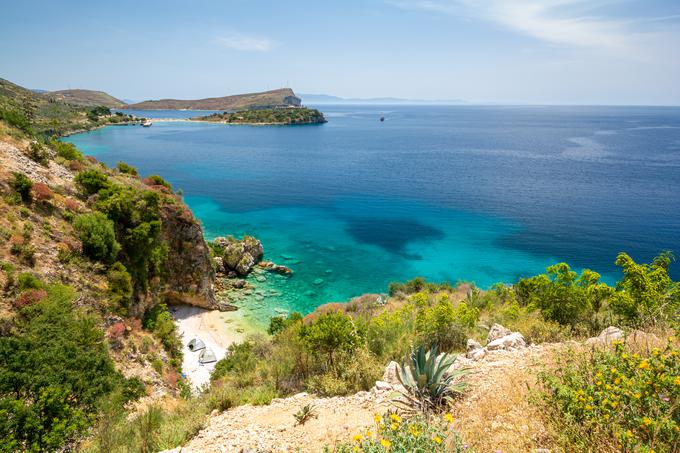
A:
(490, 51)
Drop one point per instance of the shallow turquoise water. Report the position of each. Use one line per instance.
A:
(481, 194)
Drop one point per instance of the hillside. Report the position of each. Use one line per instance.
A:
(267, 99)
(85, 98)
(278, 116)
(44, 115)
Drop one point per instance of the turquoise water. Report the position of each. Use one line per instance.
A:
(481, 194)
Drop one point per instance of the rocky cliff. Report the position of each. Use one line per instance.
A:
(282, 97)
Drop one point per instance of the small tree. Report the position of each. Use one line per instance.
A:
(96, 233)
(92, 181)
(330, 333)
(22, 185)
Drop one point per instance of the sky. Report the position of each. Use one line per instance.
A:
(482, 51)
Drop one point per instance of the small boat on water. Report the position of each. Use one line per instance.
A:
(382, 117)
(147, 123)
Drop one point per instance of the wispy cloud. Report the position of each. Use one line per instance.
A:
(560, 22)
(238, 41)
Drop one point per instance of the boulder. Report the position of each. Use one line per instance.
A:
(391, 373)
(239, 256)
(280, 269)
(475, 351)
(497, 331)
(606, 337)
(219, 263)
(510, 342)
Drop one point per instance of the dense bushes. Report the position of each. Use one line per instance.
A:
(126, 168)
(66, 150)
(159, 321)
(616, 399)
(96, 233)
(92, 181)
(54, 370)
(15, 117)
(22, 185)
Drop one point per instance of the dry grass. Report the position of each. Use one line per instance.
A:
(496, 412)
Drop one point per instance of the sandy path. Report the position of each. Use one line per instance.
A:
(217, 330)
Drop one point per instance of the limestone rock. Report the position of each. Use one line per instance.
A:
(475, 351)
(508, 342)
(239, 256)
(391, 373)
(497, 331)
(606, 337)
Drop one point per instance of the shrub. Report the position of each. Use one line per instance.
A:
(29, 297)
(305, 414)
(126, 168)
(41, 192)
(54, 369)
(92, 181)
(66, 150)
(398, 435)
(155, 180)
(279, 323)
(646, 295)
(22, 185)
(159, 321)
(444, 324)
(96, 233)
(27, 280)
(429, 384)
(329, 334)
(564, 296)
(616, 400)
(37, 152)
(72, 205)
(120, 287)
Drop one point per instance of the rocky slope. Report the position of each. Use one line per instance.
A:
(267, 99)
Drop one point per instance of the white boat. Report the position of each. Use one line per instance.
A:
(147, 123)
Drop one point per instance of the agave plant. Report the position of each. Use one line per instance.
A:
(429, 383)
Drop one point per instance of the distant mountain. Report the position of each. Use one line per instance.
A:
(329, 99)
(282, 97)
(85, 98)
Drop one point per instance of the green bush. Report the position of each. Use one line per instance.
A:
(96, 233)
(120, 287)
(126, 168)
(330, 334)
(159, 321)
(92, 181)
(444, 324)
(22, 185)
(646, 295)
(27, 280)
(66, 150)
(37, 152)
(616, 399)
(279, 323)
(155, 180)
(54, 369)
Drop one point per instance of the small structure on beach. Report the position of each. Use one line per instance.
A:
(196, 344)
(207, 356)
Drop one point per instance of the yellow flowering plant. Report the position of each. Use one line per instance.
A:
(616, 398)
(415, 434)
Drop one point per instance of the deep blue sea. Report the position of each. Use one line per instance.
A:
(483, 194)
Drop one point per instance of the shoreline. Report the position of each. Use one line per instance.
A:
(191, 120)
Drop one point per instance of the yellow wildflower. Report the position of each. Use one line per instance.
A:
(357, 438)
(394, 426)
(355, 449)
(449, 418)
(614, 370)
(646, 422)
(629, 434)
(656, 352)
(598, 383)
(637, 395)
(385, 443)
(395, 418)
(643, 365)
(369, 433)
(589, 407)
(437, 440)
(676, 381)
(617, 381)
(378, 418)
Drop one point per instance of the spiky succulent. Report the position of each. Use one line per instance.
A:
(429, 383)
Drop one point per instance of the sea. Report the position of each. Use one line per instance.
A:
(481, 194)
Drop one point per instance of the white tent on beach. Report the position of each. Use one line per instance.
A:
(207, 356)
(196, 344)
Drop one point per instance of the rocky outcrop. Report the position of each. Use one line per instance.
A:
(238, 257)
(497, 331)
(189, 275)
(391, 374)
(499, 339)
(606, 337)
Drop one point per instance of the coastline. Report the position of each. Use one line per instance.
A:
(191, 120)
